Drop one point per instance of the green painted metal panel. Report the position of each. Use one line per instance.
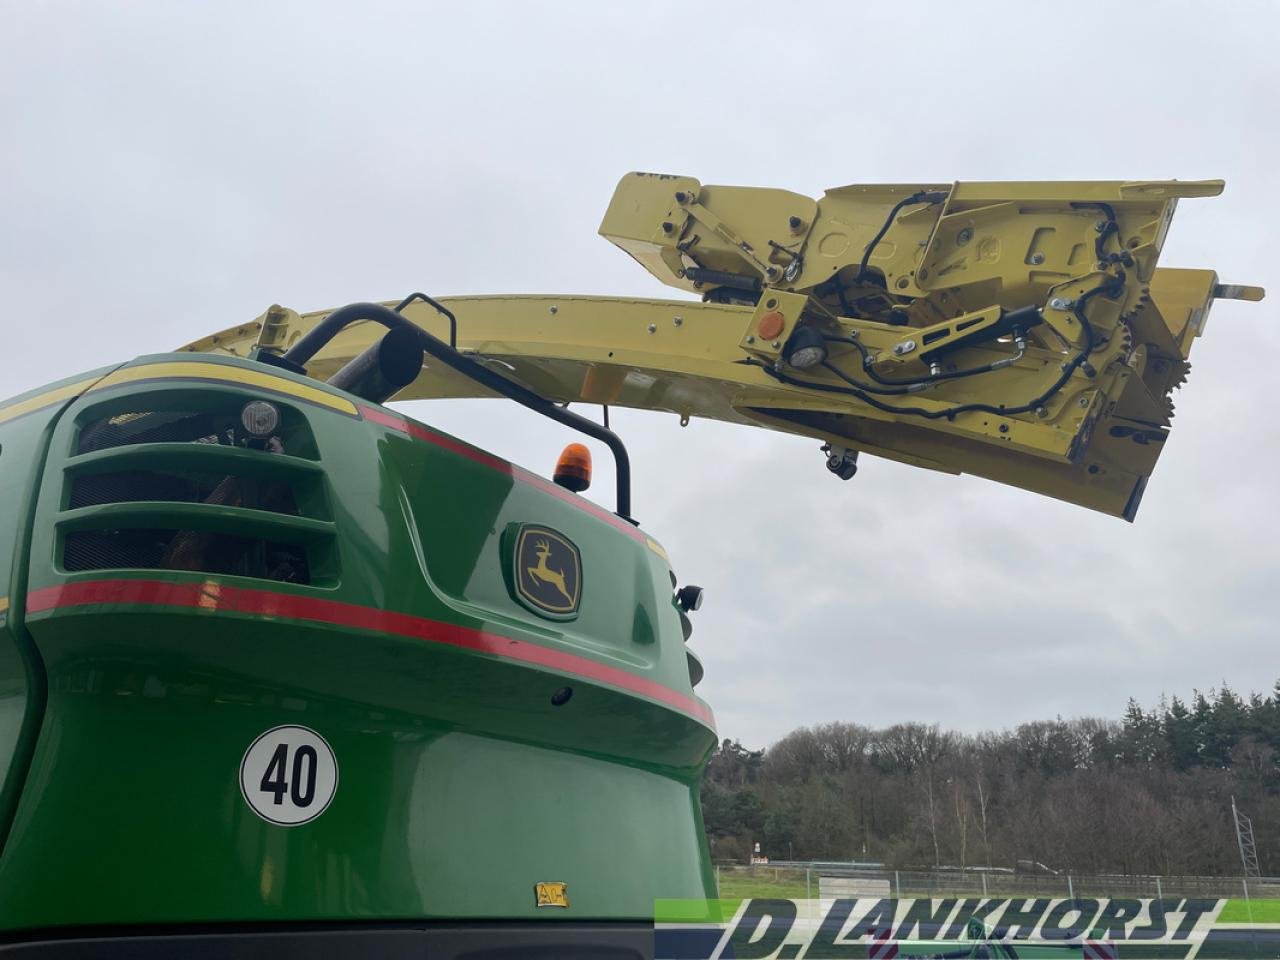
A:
(465, 775)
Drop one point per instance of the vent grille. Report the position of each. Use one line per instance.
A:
(174, 482)
(197, 551)
(126, 429)
(135, 486)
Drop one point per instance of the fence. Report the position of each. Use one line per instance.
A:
(1001, 883)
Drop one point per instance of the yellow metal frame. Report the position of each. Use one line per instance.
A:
(780, 261)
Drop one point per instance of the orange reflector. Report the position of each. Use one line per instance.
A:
(771, 325)
(573, 469)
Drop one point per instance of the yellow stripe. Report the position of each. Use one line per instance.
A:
(46, 399)
(656, 547)
(217, 371)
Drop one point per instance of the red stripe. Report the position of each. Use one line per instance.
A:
(218, 597)
(427, 435)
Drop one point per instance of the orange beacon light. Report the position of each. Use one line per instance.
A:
(573, 469)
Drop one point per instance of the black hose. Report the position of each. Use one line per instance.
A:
(1110, 226)
(863, 392)
(870, 369)
(920, 196)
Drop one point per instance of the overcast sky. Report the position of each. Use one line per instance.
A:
(170, 169)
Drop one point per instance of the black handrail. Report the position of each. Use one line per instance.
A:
(297, 356)
(440, 308)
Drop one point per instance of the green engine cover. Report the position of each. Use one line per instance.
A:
(355, 670)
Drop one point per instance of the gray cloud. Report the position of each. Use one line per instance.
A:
(171, 169)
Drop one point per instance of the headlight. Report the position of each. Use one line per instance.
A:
(806, 348)
(259, 418)
(689, 598)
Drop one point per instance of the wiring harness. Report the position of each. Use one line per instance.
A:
(866, 392)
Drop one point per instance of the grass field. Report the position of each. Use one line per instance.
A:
(1252, 911)
(739, 886)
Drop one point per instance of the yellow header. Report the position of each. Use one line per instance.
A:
(1022, 332)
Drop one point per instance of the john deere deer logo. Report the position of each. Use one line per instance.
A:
(548, 573)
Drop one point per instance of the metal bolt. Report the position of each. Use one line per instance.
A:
(1004, 428)
(777, 344)
(678, 321)
(1083, 401)
(668, 226)
(1037, 258)
(905, 347)
(1041, 412)
(653, 328)
(554, 308)
(795, 223)
(751, 339)
(681, 197)
(964, 236)
(1061, 303)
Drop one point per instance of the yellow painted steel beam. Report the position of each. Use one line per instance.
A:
(911, 284)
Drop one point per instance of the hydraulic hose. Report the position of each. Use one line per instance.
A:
(862, 390)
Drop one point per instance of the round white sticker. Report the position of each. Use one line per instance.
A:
(289, 775)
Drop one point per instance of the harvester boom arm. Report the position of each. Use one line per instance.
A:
(1018, 331)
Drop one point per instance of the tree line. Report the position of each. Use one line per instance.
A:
(1149, 793)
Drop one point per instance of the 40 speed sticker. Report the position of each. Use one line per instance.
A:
(289, 775)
